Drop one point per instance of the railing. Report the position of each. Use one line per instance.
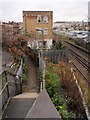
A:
(10, 85)
(4, 93)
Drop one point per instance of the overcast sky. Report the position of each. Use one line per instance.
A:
(63, 10)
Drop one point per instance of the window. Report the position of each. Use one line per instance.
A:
(45, 19)
(39, 18)
(39, 31)
(45, 31)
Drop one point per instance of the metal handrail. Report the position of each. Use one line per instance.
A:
(7, 84)
(4, 88)
(7, 72)
(2, 72)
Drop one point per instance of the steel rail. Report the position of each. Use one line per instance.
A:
(85, 63)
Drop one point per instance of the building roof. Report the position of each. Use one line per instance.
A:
(37, 11)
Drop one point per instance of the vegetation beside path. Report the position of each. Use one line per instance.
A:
(62, 89)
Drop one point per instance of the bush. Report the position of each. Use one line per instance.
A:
(24, 77)
(24, 72)
(52, 83)
(54, 90)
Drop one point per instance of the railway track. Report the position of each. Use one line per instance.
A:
(85, 73)
(80, 60)
(85, 63)
(83, 50)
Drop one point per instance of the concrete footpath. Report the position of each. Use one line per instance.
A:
(31, 80)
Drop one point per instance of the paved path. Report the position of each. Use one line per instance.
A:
(31, 82)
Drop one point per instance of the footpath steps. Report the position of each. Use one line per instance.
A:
(27, 95)
(43, 108)
(20, 105)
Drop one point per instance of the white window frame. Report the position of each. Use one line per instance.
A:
(39, 31)
(45, 31)
(45, 19)
(39, 17)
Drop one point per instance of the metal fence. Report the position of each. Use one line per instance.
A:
(57, 55)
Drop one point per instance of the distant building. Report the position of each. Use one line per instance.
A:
(7, 29)
(10, 30)
(39, 24)
(68, 26)
(63, 25)
(14, 26)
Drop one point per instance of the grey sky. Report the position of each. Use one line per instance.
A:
(66, 10)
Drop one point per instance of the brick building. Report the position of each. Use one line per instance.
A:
(39, 23)
(15, 27)
(11, 27)
(7, 30)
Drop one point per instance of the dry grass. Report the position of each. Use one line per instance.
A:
(69, 85)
